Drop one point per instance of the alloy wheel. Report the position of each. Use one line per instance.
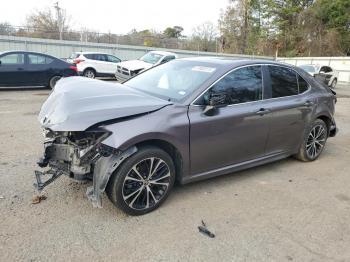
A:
(316, 141)
(89, 74)
(146, 183)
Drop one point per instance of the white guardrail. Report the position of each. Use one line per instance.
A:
(340, 64)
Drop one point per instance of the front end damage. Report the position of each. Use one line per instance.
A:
(81, 156)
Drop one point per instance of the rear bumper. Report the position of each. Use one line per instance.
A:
(333, 130)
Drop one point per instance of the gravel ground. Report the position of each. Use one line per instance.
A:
(283, 211)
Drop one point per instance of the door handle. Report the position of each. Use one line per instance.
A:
(263, 111)
(20, 69)
(308, 103)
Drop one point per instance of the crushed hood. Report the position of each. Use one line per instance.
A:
(77, 103)
(135, 65)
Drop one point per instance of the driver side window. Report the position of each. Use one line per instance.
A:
(240, 86)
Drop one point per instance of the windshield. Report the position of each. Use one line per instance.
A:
(174, 80)
(308, 68)
(151, 58)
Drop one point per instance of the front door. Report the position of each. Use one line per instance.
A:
(236, 132)
(12, 69)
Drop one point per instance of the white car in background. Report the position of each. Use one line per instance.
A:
(326, 73)
(128, 69)
(94, 64)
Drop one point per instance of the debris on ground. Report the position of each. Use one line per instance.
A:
(203, 229)
(38, 198)
(2, 197)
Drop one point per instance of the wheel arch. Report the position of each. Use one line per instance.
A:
(327, 119)
(168, 148)
(90, 68)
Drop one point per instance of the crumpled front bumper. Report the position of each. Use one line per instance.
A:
(58, 160)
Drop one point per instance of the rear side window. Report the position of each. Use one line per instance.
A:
(240, 86)
(283, 81)
(12, 59)
(303, 85)
(89, 56)
(39, 60)
(100, 57)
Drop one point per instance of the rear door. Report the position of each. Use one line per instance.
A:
(291, 105)
(12, 69)
(100, 63)
(237, 132)
(39, 68)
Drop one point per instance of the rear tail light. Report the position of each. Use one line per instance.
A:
(73, 68)
(77, 61)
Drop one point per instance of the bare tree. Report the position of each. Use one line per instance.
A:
(45, 24)
(204, 36)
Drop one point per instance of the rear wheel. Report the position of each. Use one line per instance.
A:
(53, 81)
(90, 73)
(314, 141)
(143, 182)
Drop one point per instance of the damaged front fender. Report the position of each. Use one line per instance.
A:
(103, 170)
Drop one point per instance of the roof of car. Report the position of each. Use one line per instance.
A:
(232, 61)
(163, 52)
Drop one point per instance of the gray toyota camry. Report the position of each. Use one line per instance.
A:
(186, 120)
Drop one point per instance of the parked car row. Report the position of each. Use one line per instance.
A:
(22, 68)
(94, 64)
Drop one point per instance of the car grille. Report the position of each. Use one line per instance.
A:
(123, 70)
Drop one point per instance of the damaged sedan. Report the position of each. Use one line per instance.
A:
(186, 120)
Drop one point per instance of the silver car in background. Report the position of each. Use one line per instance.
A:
(326, 74)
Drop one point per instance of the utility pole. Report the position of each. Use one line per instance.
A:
(59, 19)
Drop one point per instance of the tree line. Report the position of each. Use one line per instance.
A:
(254, 27)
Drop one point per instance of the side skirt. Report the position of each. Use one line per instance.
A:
(236, 167)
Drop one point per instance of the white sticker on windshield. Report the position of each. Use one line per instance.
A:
(182, 93)
(203, 69)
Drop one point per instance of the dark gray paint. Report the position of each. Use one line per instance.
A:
(233, 139)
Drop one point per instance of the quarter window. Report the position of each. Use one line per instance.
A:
(303, 85)
(12, 59)
(283, 81)
(240, 86)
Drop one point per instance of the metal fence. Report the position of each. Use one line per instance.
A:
(341, 64)
(63, 48)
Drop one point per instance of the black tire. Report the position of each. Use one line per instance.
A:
(53, 81)
(314, 141)
(89, 73)
(126, 190)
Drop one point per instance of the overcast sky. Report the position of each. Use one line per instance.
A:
(120, 16)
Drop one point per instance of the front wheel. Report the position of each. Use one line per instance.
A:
(143, 182)
(314, 141)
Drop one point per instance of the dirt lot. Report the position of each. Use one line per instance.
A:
(278, 212)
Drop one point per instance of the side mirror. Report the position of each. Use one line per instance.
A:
(215, 101)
